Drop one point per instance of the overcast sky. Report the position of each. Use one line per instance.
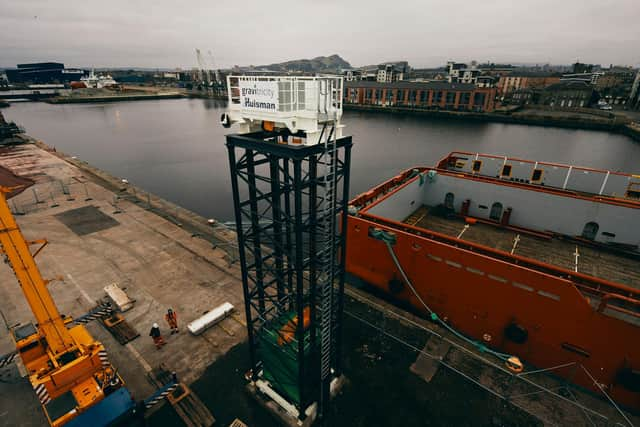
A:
(159, 33)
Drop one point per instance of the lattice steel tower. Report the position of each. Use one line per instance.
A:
(290, 178)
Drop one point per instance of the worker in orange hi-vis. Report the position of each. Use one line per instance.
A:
(172, 320)
(157, 336)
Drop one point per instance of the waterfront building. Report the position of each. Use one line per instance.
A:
(571, 94)
(522, 97)
(616, 84)
(616, 76)
(43, 72)
(433, 95)
(525, 80)
(568, 94)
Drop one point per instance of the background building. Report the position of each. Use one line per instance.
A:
(582, 73)
(461, 73)
(392, 72)
(43, 72)
(352, 75)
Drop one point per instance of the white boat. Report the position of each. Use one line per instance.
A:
(98, 81)
(602, 104)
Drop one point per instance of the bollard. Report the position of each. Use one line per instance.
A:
(115, 205)
(35, 196)
(16, 211)
(135, 195)
(53, 201)
(66, 191)
(178, 223)
(86, 192)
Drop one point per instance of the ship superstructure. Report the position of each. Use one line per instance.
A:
(533, 259)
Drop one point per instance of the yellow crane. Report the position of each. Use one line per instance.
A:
(68, 369)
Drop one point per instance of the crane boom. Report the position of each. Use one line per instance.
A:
(33, 285)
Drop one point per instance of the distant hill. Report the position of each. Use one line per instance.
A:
(320, 64)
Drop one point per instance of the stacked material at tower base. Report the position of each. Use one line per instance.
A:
(283, 411)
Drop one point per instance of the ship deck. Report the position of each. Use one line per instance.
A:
(555, 251)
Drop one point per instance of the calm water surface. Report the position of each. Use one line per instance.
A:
(175, 148)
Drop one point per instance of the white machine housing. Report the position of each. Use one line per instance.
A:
(298, 103)
(209, 319)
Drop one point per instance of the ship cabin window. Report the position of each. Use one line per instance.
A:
(496, 211)
(506, 170)
(477, 164)
(590, 230)
(536, 176)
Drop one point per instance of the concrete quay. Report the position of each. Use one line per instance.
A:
(113, 239)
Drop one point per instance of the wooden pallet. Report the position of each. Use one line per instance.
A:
(186, 403)
(237, 423)
(119, 328)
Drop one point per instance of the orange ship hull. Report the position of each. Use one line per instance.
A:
(481, 291)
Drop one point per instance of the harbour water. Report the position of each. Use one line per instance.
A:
(175, 148)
